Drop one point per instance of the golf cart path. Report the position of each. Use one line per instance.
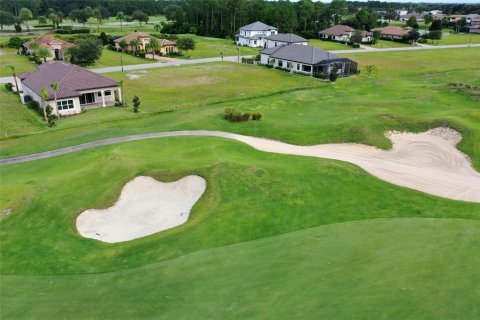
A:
(427, 162)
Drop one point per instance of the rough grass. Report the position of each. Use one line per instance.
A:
(9, 57)
(356, 270)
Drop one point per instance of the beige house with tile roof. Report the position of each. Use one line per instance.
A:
(57, 47)
(166, 46)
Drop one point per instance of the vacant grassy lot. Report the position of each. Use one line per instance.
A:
(388, 44)
(9, 57)
(328, 45)
(111, 58)
(452, 38)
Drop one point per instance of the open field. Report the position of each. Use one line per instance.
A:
(111, 58)
(207, 47)
(273, 235)
(453, 38)
(328, 45)
(388, 44)
(410, 94)
(9, 57)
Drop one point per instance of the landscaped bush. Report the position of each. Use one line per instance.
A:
(283, 69)
(235, 116)
(73, 31)
(32, 104)
(44, 26)
(422, 40)
(356, 45)
(141, 54)
(270, 66)
(9, 86)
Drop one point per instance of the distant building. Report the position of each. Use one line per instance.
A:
(401, 12)
(254, 34)
(57, 47)
(393, 33)
(418, 16)
(281, 39)
(78, 88)
(166, 46)
(307, 60)
(472, 17)
(343, 33)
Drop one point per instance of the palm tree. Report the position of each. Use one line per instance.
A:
(123, 45)
(44, 94)
(154, 45)
(43, 53)
(55, 86)
(14, 77)
(121, 91)
(134, 45)
(120, 16)
(98, 15)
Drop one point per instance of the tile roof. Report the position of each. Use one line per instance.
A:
(394, 31)
(338, 30)
(286, 37)
(257, 26)
(166, 42)
(71, 79)
(299, 53)
(46, 41)
(132, 36)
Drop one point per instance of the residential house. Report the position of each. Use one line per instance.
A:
(281, 39)
(254, 34)
(165, 46)
(393, 33)
(307, 60)
(78, 88)
(401, 12)
(57, 47)
(471, 17)
(418, 16)
(474, 26)
(343, 33)
(454, 18)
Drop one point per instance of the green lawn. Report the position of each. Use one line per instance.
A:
(207, 47)
(328, 45)
(452, 38)
(273, 235)
(111, 58)
(9, 57)
(388, 44)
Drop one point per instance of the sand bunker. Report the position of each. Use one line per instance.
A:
(146, 206)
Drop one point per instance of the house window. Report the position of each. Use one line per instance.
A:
(108, 93)
(298, 66)
(307, 68)
(65, 105)
(255, 42)
(280, 63)
(275, 44)
(99, 93)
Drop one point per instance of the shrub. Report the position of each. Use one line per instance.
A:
(44, 26)
(32, 104)
(141, 54)
(356, 45)
(9, 86)
(422, 40)
(234, 116)
(18, 27)
(73, 31)
(136, 104)
(256, 116)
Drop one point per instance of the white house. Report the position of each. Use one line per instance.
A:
(343, 33)
(254, 34)
(281, 39)
(401, 12)
(78, 88)
(306, 59)
(57, 47)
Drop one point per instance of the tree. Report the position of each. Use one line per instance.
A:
(121, 95)
(412, 22)
(306, 9)
(428, 18)
(134, 45)
(25, 14)
(44, 95)
(154, 46)
(337, 9)
(82, 16)
(356, 37)
(412, 36)
(140, 16)
(86, 52)
(120, 17)
(157, 27)
(186, 44)
(15, 42)
(6, 19)
(436, 25)
(462, 23)
(14, 75)
(123, 45)
(97, 14)
(172, 11)
(42, 20)
(53, 17)
(136, 104)
(435, 35)
(391, 15)
(104, 38)
(333, 73)
(50, 116)
(366, 20)
(55, 86)
(43, 53)
(376, 36)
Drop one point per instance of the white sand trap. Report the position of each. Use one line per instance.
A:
(427, 161)
(146, 206)
(132, 76)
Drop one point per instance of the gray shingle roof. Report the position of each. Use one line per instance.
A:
(257, 26)
(71, 79)
(300, 53)
(286, 37)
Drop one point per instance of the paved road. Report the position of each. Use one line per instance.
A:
(235, 59)
(408, 164)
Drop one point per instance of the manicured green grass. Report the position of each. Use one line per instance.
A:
(357, 270)
(410, 92)
(328, 45)
(111, 58)
(9, 57)
(15, 118)
(452, 38)
(388, 44)
(207, 47)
